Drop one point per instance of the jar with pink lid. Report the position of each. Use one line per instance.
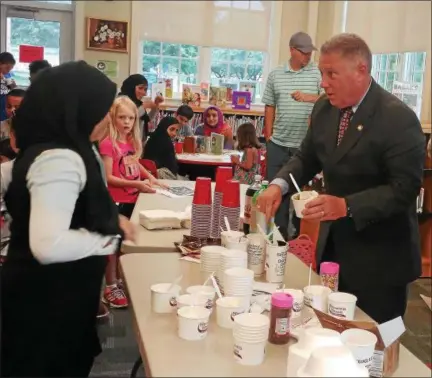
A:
(329, 273)
(280, 318)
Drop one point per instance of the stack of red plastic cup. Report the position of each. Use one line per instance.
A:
(223, 174)
(201, 208)
(230, 207)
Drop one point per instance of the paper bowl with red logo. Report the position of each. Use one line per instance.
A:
(193, 322)
(162, 300)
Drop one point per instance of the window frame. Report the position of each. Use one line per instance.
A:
(161, 57)
(403, 71)
(204, 63)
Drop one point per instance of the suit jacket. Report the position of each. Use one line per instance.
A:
(378, 169)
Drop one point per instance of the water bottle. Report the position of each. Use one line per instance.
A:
(249, 216)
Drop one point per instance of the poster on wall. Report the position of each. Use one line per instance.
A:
(108, 67)
(410, 93)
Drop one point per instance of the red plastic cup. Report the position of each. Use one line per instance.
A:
(202, 193)
(223, 174)
(231, 194)
(178, 147)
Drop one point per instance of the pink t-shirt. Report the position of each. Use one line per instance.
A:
(125, 166)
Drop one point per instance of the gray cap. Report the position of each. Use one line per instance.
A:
(303, 42)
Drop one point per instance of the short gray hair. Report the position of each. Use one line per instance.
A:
(349, 45)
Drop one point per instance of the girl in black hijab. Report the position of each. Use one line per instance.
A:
(160, 148)
(64, 224)
(135, 87)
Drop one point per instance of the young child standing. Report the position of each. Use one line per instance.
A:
(120, 152)
(249, 165)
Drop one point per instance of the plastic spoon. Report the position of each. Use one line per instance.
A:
(216, 286)
(227, 225)
(175, 282)
(208, 279)
(295, 183)
(263, 234)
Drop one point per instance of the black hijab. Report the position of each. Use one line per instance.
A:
(128, 89)
(160, 148)
(60, 109)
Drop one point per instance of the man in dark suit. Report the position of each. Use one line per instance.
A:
(371, 149)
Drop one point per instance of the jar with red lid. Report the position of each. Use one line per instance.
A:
(280, 318)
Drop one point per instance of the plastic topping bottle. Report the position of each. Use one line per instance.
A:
(329, 273)
(280, 318)
(249, 215)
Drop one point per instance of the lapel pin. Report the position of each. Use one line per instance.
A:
(360, 127)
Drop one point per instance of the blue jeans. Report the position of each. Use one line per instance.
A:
(277, 157)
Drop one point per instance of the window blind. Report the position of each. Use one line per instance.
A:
(391, 26)
(229, 24)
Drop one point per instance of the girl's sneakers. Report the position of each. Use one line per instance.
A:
(115, 297)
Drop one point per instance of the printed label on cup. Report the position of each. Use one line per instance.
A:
(237, 351)
(235, 313)
(209, 304)
(202, 327)
(366, 362)
(308, 300)
(339, 312)
(297, 306)
(255, 254)
(173, 301)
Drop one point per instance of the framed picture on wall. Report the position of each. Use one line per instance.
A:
(107, 35)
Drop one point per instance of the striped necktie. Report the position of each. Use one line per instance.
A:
(345, 118)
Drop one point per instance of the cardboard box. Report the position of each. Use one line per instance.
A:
(386, 356)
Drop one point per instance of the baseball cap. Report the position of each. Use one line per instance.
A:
(303, 42)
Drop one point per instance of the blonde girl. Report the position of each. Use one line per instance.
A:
(126, 178)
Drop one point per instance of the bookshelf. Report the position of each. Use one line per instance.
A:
(233, 117)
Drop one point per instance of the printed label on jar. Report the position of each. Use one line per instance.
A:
(282, 326)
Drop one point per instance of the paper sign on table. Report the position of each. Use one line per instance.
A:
(28, 54)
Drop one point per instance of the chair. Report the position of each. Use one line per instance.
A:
(150, 165)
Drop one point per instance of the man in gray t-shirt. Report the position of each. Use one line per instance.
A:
(289, 97)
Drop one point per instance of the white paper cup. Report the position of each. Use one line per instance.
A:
(163, 302)
(249, 353)
(240, 245)
(193, 322)
(276, 256)
(210, 258)
(362, 345)
(298, 304)
(332, 361)
(186, 300)
(342, 305)
(208, 292)
(226, 309)
(315, 296)
(251, 327)
(234, 236)
(311, 338)
(300, 199)
(256, 253)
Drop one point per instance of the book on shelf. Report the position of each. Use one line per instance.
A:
(191, 95)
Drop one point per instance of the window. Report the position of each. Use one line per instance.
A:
(170, 61)
(238, 69)
(401, 74)
(243, 4)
